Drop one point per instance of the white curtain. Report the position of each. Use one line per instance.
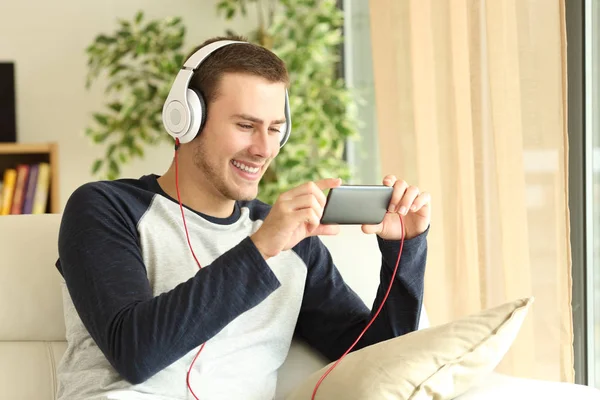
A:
(471, 106)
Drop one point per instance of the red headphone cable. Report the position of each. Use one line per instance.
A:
(187, 379)
(372, 319)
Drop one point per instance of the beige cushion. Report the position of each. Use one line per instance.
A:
(438, 363)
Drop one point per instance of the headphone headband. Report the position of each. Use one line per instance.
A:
(184, 111)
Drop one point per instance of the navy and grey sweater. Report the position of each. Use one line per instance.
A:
(137, 307)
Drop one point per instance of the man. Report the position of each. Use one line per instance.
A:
(137, 306)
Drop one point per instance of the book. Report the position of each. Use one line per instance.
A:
(8, 190)
(30, 189)
(19, 193)
(40, 199)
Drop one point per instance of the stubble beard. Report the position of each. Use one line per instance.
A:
(210, 171)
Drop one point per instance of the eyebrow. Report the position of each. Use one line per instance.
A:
(256, 120)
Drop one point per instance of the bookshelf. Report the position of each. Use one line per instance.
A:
(14, 154)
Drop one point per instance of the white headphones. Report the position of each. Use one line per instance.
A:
(184, 112)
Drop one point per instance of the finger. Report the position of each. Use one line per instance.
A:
(397, 194)
(370, 229)
(318, 187)
(409, 197)
(389, 180)
(307, 188)
(304, 201)
(328, 183)
(328, 230)
(310, 217)
(319, 195)
(421, 201)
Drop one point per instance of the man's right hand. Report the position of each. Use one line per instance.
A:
(295, 215)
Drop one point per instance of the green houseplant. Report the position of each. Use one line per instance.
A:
(141, 58)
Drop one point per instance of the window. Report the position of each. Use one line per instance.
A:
(583, 37)
(592, 168)
(363, 153)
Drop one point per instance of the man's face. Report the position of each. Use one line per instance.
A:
(241, 135)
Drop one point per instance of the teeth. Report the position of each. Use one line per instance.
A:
(246, 168)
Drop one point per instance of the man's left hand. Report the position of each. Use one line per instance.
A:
(409, 202)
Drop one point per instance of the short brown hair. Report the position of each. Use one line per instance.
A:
(245, 58)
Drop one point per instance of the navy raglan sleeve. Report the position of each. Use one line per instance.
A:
(332, 315)
(140, 334)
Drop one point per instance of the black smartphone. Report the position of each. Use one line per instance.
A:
(356, 204)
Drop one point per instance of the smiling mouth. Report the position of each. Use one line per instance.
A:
(246, 168)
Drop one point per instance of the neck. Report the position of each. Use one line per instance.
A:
(196, 192)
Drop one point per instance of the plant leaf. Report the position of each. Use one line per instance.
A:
(97, 165)
(101, 119)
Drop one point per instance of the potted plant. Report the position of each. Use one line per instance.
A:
(141, 59)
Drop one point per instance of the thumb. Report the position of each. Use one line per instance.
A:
(370, 229)
(328, 230)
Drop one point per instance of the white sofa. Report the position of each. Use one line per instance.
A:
(32, 332)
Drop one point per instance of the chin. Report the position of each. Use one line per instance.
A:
(247, 195)
(247, 198)
(238, 193)
(241, 189)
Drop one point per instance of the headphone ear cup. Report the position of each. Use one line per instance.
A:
(197, 115)
(202, 110)
(285, 132)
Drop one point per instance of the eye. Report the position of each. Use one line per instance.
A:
(245, 126)
(277, 130)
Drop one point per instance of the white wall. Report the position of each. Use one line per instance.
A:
(47, 39)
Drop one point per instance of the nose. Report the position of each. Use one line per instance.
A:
(262, 144)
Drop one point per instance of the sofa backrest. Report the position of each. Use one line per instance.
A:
(32, 331)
